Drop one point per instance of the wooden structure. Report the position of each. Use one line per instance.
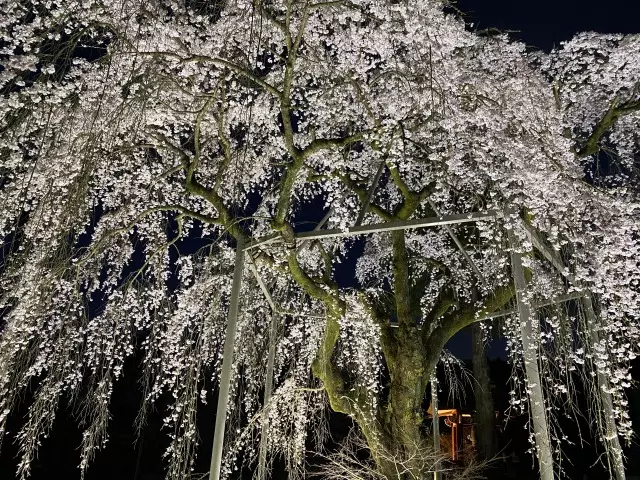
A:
(461, 433)
(461, 436)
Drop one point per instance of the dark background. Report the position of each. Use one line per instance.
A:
(541, 24)
(545, 23)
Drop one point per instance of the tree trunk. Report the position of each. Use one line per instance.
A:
(407, 364)
(486, 441)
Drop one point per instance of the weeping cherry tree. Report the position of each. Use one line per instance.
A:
(140, 141)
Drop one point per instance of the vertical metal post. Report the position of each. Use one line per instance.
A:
(268, 388)
(227, 364)
(436, 424)
(534, 385)
(612, 443)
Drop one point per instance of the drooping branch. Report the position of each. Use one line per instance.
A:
(160, 208)
(323, 367)
(343, 398)
(220, 62)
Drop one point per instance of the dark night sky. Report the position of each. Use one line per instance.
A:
(539, 23)
(545, 23)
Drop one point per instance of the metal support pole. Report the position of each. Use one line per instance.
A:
(612, 443)
(268, 383)
(268, 388)
(437, 475)
(552, 257)
(261, 284)
(317, 228)
(534, 385)
(227, 364)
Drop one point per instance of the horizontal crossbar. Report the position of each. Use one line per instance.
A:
(379, 227)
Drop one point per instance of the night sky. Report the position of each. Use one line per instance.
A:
(540, 24)
(545, 23)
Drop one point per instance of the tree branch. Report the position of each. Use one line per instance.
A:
(402, 290)
(592, 144)
(323, 366)
(456, 321)
(226, 218)
(267, 87)
(224, 143)
(327, 143)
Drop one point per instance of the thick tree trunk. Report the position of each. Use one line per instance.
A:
(409, 381)
(404, 415)
(398, 443)
(486, 441)
(406, 362)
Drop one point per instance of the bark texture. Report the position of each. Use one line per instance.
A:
(486, 441)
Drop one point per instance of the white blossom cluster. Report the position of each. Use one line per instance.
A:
(359, 350)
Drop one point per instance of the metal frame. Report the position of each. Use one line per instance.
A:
(378, 227)
(529, 347)
(317, 234)
(268, 389)
(268, 386)
(435, 422)
(611, 436)
(458, 243)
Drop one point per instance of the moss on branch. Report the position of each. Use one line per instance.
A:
(608, 120)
